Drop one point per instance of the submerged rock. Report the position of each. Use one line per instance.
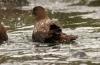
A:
(79, 54)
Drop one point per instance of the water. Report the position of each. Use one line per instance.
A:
(20, 50)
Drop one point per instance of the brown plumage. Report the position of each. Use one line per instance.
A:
(46, 30)
(3, 34)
